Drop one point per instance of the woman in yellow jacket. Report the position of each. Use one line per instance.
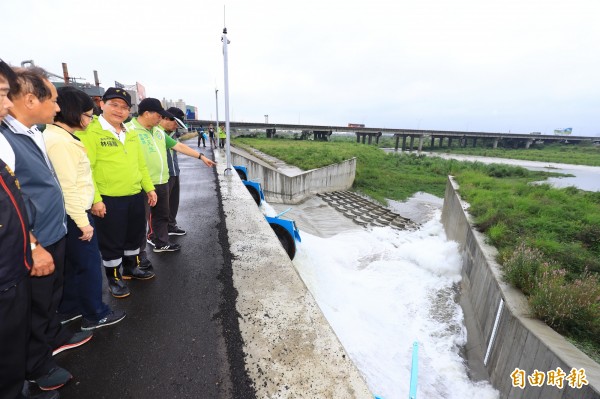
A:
(82, 295)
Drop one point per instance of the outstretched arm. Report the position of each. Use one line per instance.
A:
(186, 150)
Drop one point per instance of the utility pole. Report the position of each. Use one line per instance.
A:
(228, 169)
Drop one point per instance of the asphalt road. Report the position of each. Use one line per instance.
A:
(180, 338)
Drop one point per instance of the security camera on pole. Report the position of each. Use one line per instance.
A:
(228, 169)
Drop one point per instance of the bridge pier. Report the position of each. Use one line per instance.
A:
(474, 142)
(495, 145)
(403, 143)
(364, 136)
(528, 144)
(271, 132)
(421, 139)
(321, 135)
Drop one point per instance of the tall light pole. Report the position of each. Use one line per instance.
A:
(228, 169)
(266, 118)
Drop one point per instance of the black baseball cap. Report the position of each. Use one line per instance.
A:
(153, 105)
(179, 116)
(177, 113)
(113, 92)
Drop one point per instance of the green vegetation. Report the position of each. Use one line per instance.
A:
(548, 239)
(584, 153)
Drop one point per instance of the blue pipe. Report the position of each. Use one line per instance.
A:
(414, 371)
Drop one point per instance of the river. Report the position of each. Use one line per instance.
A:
(382, 289)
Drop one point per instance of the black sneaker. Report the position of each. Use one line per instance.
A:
(78, 339)
(67, 318)
(167, 248)
(176, 231)
(117, 287)
(56, 378)
(113, 317)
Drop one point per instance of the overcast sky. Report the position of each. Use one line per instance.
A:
(474, 65)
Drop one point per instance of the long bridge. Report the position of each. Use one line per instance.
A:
(370, 134)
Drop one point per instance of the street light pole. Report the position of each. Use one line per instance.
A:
(266, 118)
(228, 169)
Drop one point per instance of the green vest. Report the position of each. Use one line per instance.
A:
(155, 144)
(118, 169)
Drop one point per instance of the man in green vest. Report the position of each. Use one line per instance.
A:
(155, 143)
(120, 180)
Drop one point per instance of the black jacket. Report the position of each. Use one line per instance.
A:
(15, 251)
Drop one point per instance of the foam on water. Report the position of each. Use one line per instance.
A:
(383, 289)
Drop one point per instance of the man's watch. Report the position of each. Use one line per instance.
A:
(200, 156)
(34, 245)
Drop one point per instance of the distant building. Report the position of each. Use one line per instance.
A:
(181, 105)
(191, 112)
(563, 132)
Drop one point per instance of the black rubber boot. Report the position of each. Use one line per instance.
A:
(144, 263)
(131, 269)
(116, 285)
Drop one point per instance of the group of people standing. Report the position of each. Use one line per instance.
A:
(212, 137)
(86, 194)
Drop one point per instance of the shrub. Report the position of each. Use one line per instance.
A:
(521, 268)
(567, 306)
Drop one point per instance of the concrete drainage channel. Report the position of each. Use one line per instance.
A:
(365, 212)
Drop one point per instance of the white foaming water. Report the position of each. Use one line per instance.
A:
(383, 289)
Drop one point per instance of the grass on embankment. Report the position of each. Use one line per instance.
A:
(548, 238)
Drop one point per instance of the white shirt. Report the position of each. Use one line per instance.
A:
(6, 153)
(18, 128)
(107, 126)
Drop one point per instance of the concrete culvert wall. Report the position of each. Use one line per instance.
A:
(281, 188)
(502, 331)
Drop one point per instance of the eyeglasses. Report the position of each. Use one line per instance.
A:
(89, 116)
(121, 107)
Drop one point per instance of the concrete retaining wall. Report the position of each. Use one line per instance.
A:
(290, 349)
(520, 341)
(280, 188)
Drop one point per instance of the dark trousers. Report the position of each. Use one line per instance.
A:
(15, 316)
(213, 141)
(201, 137)
(221, 143)
(159, 216)
(147, 229)
(173, 201)
(82, 291)
(122, 229)
(46, 331)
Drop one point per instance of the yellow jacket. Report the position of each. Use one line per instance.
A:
(72, 166)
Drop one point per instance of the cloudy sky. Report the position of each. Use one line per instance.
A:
(474, 65)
